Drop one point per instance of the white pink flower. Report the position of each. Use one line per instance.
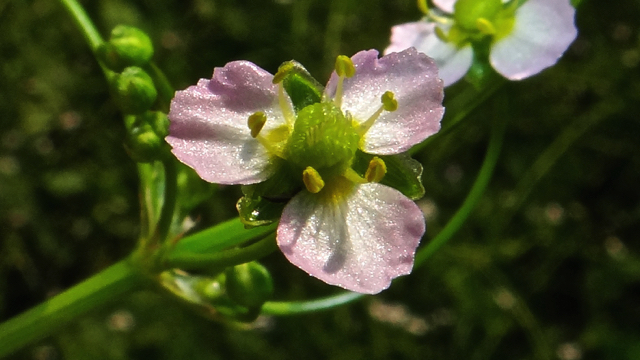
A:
(354, 233)
(527, 39)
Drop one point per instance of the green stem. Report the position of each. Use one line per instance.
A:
(553, 153)
(474, 196)
(169, 203)
(463, 104)
(47, 317)
(223, 259)
(84, 23)
(301, 307)
(165, 90)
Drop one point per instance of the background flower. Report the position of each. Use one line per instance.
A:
(530, 40)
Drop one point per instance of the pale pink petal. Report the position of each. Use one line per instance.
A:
(452, 61)
(543, 30)
(445, 5)
(359, 243)
(413, 78)
(209, 130)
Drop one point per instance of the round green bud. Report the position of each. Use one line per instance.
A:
(249, 284)
(158, 120)
(468, 12)
(143, 144)
(134, 90)
(322, 137)
(127, 46)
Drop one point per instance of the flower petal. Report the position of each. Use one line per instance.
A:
(445, 5)
(209, 129)
(453, 62)
(448, 5)
(360, 242)
(413, 78)
(543, 30)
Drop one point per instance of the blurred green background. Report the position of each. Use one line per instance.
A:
(547, 267)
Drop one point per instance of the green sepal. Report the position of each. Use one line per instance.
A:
(302, 88)
(262, 203)
(403, 172)
(249, 284)
(206, 295)
(258, 211)
(285, 182)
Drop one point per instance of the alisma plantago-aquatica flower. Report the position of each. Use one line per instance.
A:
(323, 158)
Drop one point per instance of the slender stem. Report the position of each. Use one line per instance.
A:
(47, 317)
(301, 307)
(165, 90)
(474, 196)
(553, 153)
(169, 203)
(84, 23)
(463, 104)
(224, 258)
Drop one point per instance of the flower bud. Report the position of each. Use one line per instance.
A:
(249, 284)
(127, 46)
(134, 90)
(143, 144)
(158, 121)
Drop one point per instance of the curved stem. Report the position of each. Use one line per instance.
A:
(84, 23)
(47, 317)
(474, 196)
(301, 307)
(223, 259)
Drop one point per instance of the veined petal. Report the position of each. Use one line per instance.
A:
(360, 242)
(209, 130)
(542, 31)
(453, 62)
(413, 79)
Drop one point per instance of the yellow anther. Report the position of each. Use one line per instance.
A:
(485, 26)
(389, 101)
(256, 122)
(344, 66)
(376, 170)
(422, 5)
(312, 180)
(283, 70)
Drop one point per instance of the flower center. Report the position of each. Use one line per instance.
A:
(474, 20)
(471, 15)
(322, 138)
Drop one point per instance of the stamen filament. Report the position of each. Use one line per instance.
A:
(422, 5)
(389, 103)
(344, 69)
(485, 26)
(353, 176)
(287, 111)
